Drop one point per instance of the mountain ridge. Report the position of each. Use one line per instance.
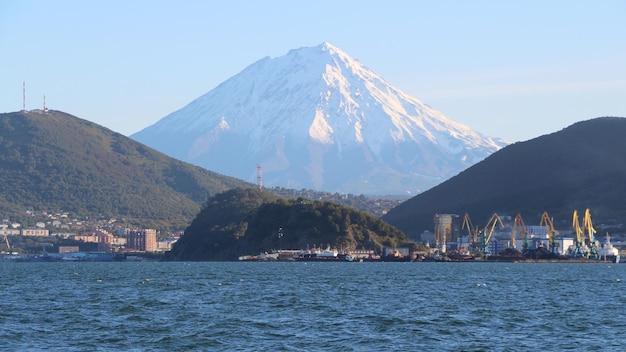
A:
(55, 161)
(581, 166)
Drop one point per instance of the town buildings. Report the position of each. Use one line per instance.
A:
(143, 240)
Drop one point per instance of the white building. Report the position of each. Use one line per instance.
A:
(36, 232)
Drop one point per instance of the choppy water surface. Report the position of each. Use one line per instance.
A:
(296, 306)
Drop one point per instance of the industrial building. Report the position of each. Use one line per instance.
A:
(447, 230)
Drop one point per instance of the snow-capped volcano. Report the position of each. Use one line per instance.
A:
(317, 118)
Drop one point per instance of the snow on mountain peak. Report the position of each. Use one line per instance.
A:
(323, 105)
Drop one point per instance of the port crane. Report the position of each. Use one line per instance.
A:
(488, 231)
(520, 228)
(592, 243)
(547, 221)
(579, 250)
(472, 233)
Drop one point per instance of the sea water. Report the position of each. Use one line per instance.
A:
(310, 306)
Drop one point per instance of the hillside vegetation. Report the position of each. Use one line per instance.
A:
(55, 161)
(249, 221)
(582, 166)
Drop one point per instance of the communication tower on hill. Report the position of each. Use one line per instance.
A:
(24, 96)
(259, 177)
(45, 109)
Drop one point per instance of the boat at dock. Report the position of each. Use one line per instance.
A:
(265, 256)
(65, 257)
(608, 253)
(320, 255)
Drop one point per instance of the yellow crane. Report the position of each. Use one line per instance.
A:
(547, 221)
(519, 228)
(588, 226)
(579, 250)
(488, 231)
(472, 233)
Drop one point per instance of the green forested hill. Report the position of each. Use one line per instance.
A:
(582, 166)
(55, 161)
(248, 221)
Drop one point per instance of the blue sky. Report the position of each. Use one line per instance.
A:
(509, 69)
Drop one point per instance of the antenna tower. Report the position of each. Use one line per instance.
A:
(259, 176)
(45, 109)
(24, 96)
